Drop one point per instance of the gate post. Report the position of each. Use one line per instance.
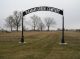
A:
(22, 38)
(62, 40)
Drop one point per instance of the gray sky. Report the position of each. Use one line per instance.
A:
(71, 10)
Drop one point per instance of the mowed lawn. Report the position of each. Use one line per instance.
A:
(39, 45)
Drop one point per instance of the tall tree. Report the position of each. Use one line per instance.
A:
(40, 25)
(9, 22)
(17, 19)
(34, 21)
(49, 22)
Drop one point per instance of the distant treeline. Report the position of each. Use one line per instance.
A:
(77, 30)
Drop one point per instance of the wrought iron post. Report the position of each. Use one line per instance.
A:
(62, 40)
(22, 38)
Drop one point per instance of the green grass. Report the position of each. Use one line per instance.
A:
(39, 45)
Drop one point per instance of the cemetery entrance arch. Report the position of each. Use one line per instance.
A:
(44, 8)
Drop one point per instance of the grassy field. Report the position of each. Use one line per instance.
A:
(39, 45)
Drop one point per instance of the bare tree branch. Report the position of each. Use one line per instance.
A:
(40, 25)
(17, 19)
(34, 21)
(9, 22)
(49, 22)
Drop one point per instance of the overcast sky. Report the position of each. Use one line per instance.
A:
(71, 10)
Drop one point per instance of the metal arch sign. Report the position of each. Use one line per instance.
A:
(43, 8)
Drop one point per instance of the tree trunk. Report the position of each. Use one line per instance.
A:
(48, 28)
(41, 28)
(34, 28)
(17, 28)
(11, 28)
